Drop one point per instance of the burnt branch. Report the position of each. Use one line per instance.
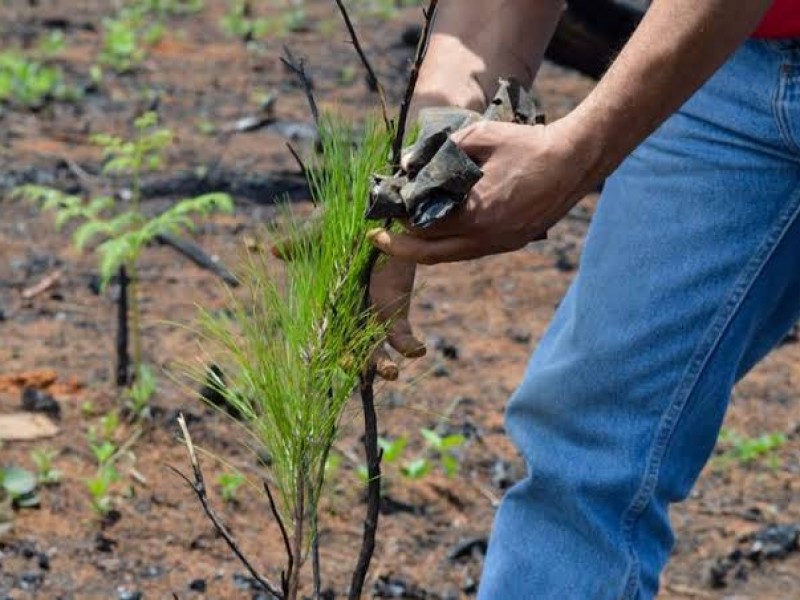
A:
(123, 370)
(284, 535)
(316, 569)
(298, 67)
(372, 78)
(199, 488)
(413, 76)
(373, 487)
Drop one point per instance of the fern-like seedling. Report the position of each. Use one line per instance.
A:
(118, 232)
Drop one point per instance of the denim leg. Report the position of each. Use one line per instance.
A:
(690, 274)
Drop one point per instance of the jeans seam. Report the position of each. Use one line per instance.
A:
(779, 111)
(700, 358)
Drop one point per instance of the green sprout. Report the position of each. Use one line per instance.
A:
(443, 447)
(28, 82)
(748, 450)
(43, 459)
(229, 484)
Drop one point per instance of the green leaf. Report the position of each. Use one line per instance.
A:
(392, 450)
(450, 464)
(433, 439)
(18, 482)
(417, 469)
(453, 441)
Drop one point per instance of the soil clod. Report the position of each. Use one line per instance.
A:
(38, 401)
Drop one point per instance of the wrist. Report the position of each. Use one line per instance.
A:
(587, 147)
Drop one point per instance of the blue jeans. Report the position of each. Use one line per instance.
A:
(689, 276)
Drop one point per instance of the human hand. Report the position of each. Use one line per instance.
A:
(533, 175)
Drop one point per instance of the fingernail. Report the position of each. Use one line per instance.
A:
(378, 236)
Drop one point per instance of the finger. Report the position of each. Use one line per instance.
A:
(402, 339)
(475, 140)
(385, 367)
(423, 251)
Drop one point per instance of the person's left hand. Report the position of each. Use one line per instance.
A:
(533, 175)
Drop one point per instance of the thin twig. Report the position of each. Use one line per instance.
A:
(372, 78)
(199, 488)
(373, 487)
(299, 517)
(303, 168)
(422, 50)
(298, 67)
(284, 534)
(315, 564)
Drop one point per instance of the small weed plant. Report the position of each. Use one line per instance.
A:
(229, 484)
(239, 21)
(119, 232)
(439, 449)
(46, 473)
(746, 451)
(30, 79)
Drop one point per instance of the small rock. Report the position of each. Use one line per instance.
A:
(470, 586)
(243, 582)
(773, 542)
(126, 594)
(43, 561)
(441, 370)
(38, 401)
(393, 587)
(448, 349)
(472, 548)
(503, 475)
(152, 571)
(564, 263)
(104, 544)
(198, 585)
(519, 336)
(30, 581)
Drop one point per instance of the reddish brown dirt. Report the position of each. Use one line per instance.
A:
(492, 311)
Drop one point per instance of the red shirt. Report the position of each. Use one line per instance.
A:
(781, 21)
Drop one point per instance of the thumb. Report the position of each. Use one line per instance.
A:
(475, 140)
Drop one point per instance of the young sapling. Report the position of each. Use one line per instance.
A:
(119, 232)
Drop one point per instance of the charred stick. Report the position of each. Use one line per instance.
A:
(298, 67)
(123, 357)
(198, 256)
(315, 564)
(372, 78)
(299, 516)
(422, 50)
(199, 488)
(373, 487)
(284, 535)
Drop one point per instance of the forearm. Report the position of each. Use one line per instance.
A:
(474, 43)
(677, 47)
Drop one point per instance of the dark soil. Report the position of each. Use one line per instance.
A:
(481, 320)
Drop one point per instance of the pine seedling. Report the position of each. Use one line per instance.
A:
(118, 234)
(298, 340)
